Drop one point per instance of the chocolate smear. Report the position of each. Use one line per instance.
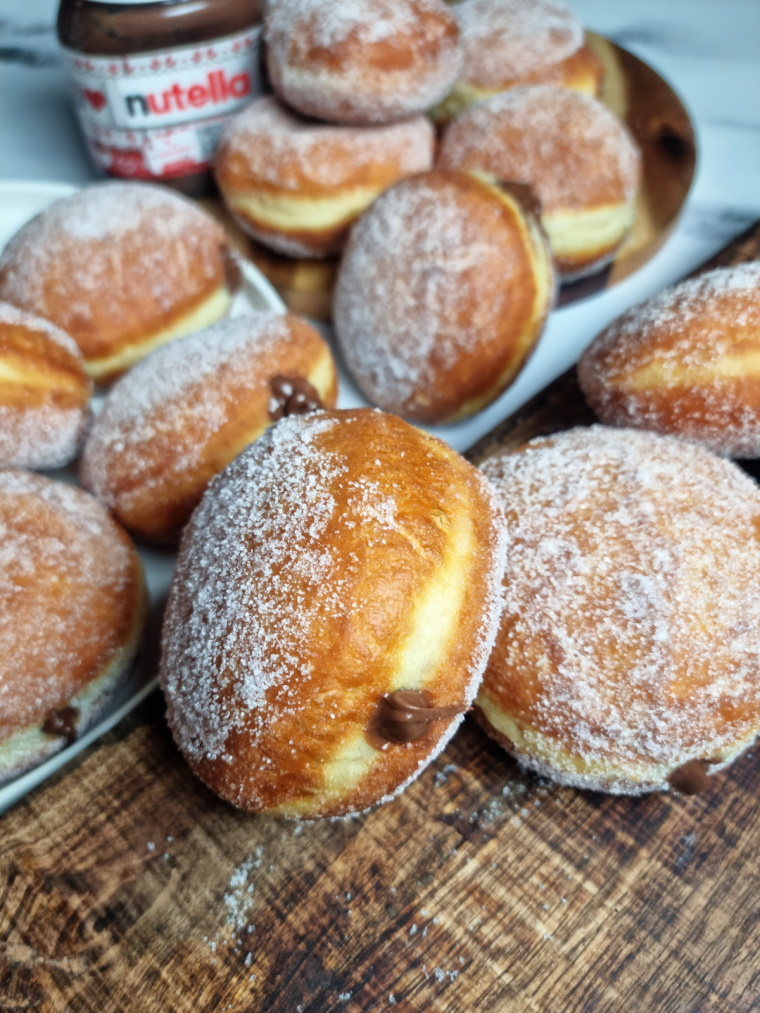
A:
(233, 275)
(691, 777)
(291, 395)
(405, 716)
(62, 722)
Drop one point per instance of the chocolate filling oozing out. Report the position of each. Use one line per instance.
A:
(691, 777)
(62, 722)
(291, 395)
(405, 716)
(233, 275)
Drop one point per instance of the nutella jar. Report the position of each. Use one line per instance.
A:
(155, 82)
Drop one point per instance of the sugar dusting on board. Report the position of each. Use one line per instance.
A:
(642, 548)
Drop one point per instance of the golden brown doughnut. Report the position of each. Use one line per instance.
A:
(686, 362)
(508, 43)
(297, 185)
(332, 610)
(628, 656)
(180, 416)
(578, 158)
(72, 605)
(363, 62)
(44, 392)
(122, 268)
(442, 295)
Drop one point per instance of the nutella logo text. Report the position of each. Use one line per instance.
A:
(215, 92)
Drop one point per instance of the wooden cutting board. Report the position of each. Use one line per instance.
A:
(126, 885)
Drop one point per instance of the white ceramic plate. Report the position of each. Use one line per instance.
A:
(19, 201)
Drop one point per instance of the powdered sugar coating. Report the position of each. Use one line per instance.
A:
(425, 283)
(361, 61)
(83, 261)
(42, 433)
(631, 630)
(70, 596)
(506, 39)
(276, 146)
(283, 556)
(568, 147)
(176, 419)
(684, 362)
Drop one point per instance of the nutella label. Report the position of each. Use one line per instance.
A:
(161, 114)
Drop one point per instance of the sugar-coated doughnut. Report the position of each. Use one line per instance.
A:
(122, 268)
(44, 392)
(180, 416)
(72, 605)
(297, 185)
(441, 295)
(334, 604)
(686, 362)
(628, 656)
(362, 61)
(507, 43)
(578, 158)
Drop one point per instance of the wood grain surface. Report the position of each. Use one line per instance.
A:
(126, 886)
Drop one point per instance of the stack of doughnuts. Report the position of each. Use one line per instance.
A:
(351, 83)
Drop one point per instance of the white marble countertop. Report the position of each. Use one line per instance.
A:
(707, 51)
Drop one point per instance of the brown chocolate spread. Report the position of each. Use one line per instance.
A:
(291, 395)
(62, 722)
(524, 194)
(691, 777)
(405, 716)
(233, 275)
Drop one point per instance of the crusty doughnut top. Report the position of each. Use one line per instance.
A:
(70, 595)
(685, 361)
(364, 60)
(44, 391)
(300, 579)
(433, 271)
(631, 627)
(506, 39)
(113, 262)
(270, 146)
(569, 147)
